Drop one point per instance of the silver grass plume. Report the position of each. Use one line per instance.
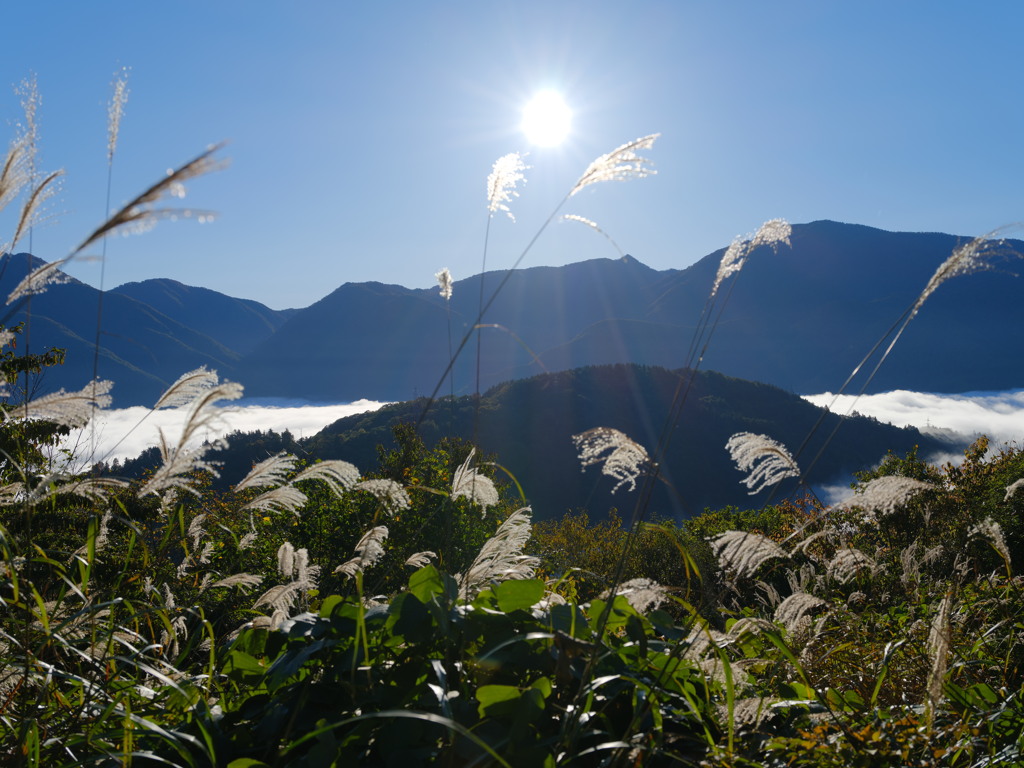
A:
(304, 572)
(445, 283)
(32, 210)
(207, 554)
(195, 529)
(802, 580)
(141, 212)
(15, 172)
(620, 164)
(181, 458)
(338, 475)
(847, 564)
(245, 581)
(641, 593)
(966, 260)
(187, 388)
(766, 461)
(989, 530)
(1012, 488)
(501, 556)
(284, 498)
(390, 494)
(771, 233)
(246, 541)
(368, 551)
(796, 610)
(624, 461)
(469, 483)
(39, 280)
(420, 559)
(115, 111)
(272, 471)
(742, 552)
(508, 170)
(750, 626)
(70, 409)
(279, 599)
(884, 495)
(939, 642)
(286, 559)
(593, 225)
(178, 627)
(96, 489)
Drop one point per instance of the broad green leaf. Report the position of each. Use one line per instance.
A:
(496, 700)
(516, 594)
(426, 583)
(242, 667)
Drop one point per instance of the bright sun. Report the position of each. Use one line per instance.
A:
(546, 119)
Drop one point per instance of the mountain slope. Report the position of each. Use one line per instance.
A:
(801, 318)
(143, 350)
(528, 424)
(238, 324)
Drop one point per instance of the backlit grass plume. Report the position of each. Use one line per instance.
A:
(620, 457)
(469, 483)
(368, 551)
(765, 461)
(391, 495)
(70, 409)
(620, 164)
(771, 233)
(115, 111)
(445, 283)
(884, 495)
(185, 456)
(187, 388)
(743, 552)
(508, 171)
(502, 556)
(975, 256)
(593, 225)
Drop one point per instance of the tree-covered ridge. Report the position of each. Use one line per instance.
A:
(529, 425)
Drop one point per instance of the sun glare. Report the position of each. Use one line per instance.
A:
(546, 119)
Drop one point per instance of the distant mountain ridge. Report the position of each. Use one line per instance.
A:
(143, 349)
(800, 318)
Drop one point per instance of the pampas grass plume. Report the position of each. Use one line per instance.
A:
(625, 458)
(743, 553)
(620, 164)
(508, 170)
(766, 461)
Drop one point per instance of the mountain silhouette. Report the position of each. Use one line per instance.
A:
(801, 318)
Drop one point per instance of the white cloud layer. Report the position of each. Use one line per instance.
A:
(959, 418)
(127, 432)
(999, 415)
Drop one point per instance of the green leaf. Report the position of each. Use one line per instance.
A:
(515, 594)
(496, 700)
(543, 685)
(242, 667)
(426, 583)
(329, 605)
(247, 762)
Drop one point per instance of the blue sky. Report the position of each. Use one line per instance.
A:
(361, 135)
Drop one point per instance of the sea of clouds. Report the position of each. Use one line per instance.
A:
(999, 415)
(960, 418)
(127, 432)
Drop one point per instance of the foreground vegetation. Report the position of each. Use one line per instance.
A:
(284, 622)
